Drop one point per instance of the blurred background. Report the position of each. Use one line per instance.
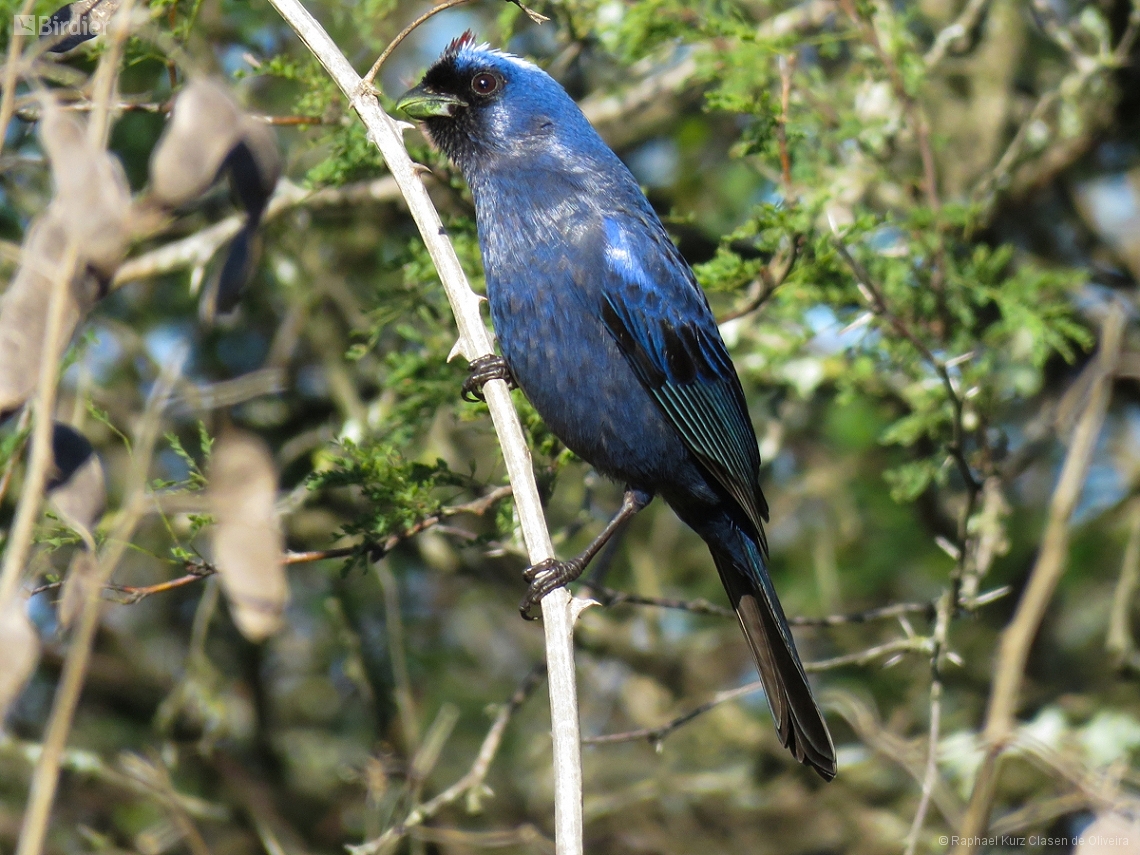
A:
(917, 219)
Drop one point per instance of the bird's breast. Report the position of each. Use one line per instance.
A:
(571, 370)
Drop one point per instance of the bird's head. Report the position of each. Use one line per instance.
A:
(482, 106)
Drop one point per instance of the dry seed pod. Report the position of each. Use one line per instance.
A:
(24, 309)
(77, 488)
(204, 127)
(21, 645)
(71, 25)
(92, 196)
(91, 209)
(77, 587)
(248, 545)
(209, 136)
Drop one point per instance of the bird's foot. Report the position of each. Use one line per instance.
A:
(484, 370)
(544, 577)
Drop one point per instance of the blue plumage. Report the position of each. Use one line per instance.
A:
(605, 329)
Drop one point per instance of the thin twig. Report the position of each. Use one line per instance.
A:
(155, 772)
(765, 285)
(1017, 638)
(655, 735)
(93, 766)
(870, 731)
(875, 298)
(1119, 642)
(953, 33)
(196, 250)
(985, 193)
(17, 451)
(200, 569)
(930, 773)
(618, 107)
(914, 110)
(404, 33)
(908, 644)
(40, 456)
(46, 776)
(12, 71)
(787, 65)
(470, 785)
(405, 699)
(29, 111)
(526, 836)
(612, 597)
(28, 510)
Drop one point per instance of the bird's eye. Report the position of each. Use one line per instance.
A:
(484, 83)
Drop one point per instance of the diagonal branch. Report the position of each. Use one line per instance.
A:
(1018, 636)
(878, 303)
(559, 609)
(470, 785)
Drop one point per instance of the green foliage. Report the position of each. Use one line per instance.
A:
(397, 492)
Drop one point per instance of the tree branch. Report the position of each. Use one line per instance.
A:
(46, 777)
(612, 597)
(199, 569)
(470, 785)
(878, 303)
(955, 32)
(559, 611)
(655, 735)
(1119, 642)
(1017, 638)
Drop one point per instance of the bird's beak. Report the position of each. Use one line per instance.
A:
(422, 103)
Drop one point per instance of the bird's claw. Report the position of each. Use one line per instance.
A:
(484, 370)
(544, 577)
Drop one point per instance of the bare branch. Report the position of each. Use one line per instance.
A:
(46, 777)
(31, 496)
(954, 33)
(787, 69)
(394, 623)
(12, 73)
(526, 836)
(655, 735)
(771, 277)
(199, 569)
(92, 765)
(612, 597)
(1120, 643)
(470, 785)
(17, 451)
(196, 250)
(870, 731)
(558, 610)
(914, 110)
(930, 774)
(1018, 636)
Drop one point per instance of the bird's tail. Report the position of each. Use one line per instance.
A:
(798, 719)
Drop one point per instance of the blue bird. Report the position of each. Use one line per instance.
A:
(603, 326)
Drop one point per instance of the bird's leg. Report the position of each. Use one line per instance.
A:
(483, 370)
(552, 573)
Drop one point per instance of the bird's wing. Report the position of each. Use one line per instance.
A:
(663, 324)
